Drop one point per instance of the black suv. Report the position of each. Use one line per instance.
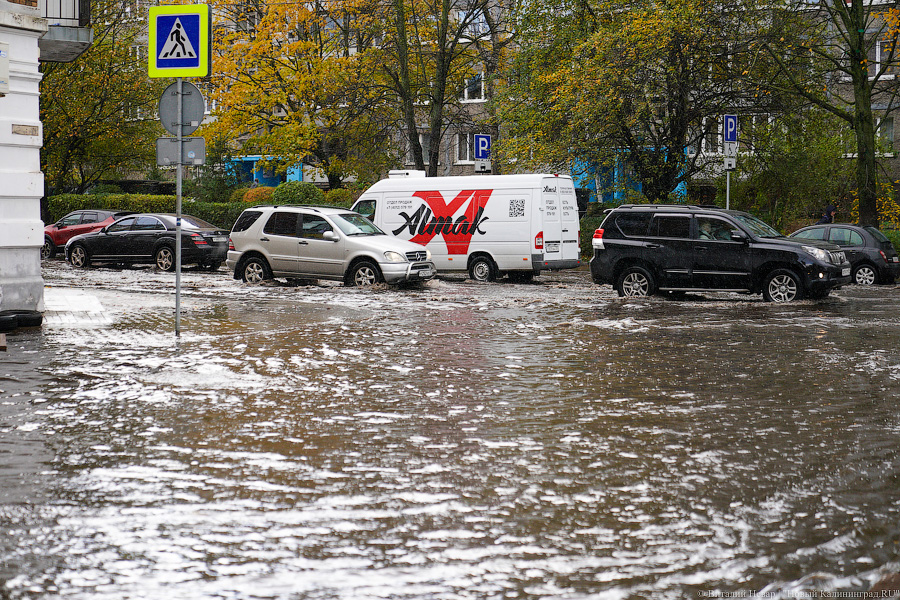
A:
(642, 248)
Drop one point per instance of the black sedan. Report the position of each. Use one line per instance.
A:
(871, 254)
(150, 238)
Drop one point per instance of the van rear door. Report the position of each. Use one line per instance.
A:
(571, 227)
(552, 220)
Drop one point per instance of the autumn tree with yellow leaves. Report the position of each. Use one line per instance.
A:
(638, 82)
(292, 82)
(99, 112)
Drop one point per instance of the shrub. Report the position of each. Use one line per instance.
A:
(341, 197)
(298, 192)
(258, 195)
(238, 194)
(221, 214)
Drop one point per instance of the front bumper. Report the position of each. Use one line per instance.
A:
(404, 272)
(821, 278)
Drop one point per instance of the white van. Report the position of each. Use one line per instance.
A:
(488, 225)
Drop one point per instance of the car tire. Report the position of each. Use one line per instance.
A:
(255, 270)
(521, 276)
(363, 273)
(483, 269)
(79, 257)
(8, 323)
(635, 282)
(865, 274)
(24, 318)
(164, 259)
(48, 250)
(782, 285)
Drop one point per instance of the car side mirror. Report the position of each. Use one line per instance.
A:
(330, 236)
(739, 236)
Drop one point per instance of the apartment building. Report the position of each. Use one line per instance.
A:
(30, 31)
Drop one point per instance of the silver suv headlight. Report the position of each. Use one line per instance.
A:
(427, 254)
(817, 253)
(394, 257)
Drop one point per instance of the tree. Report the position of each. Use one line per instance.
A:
(851, 47)
(432, 48)
(292, 83)
(98, 112)
(793, 167)
(639, 82)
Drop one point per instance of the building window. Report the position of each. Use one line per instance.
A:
(465, 147)
(473, 91)
(425, 142)
(713, 136)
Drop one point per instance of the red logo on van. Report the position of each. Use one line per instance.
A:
(435, 217)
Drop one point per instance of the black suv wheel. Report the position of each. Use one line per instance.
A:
(635, 282)
(782, 285)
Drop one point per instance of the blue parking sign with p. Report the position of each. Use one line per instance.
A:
(482, 146)
(179, 41)
(731, 126)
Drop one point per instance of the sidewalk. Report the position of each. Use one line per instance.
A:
(67, 307)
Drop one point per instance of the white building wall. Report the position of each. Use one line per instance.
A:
(21, 180)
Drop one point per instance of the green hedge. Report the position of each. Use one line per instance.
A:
(221, 214)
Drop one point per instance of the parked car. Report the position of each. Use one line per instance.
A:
(75, 223)
(150, 238)
(307, 242)
(641, 249)
(872, 256)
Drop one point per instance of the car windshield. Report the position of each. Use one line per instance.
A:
(354, 224)
(757, 227)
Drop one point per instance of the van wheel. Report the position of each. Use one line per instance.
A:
(521, 276)
(363, 273)
(79, 256)
(255, 270)
(635, 282)
(482, 269)
(48, 250)
(165, 259)
(865, 275)
(782, 285)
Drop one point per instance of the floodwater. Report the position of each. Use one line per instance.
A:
(450, 441)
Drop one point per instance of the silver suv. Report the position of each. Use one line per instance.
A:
(321, 243)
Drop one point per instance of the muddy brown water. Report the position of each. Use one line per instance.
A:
(454, 441)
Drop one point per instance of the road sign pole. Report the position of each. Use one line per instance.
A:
(178, 210)
(727, 190)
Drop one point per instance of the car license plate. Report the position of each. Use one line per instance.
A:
(845, 272)
(426, 273)
(220, 238)
(552, 247)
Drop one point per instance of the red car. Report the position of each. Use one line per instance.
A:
(75, 223)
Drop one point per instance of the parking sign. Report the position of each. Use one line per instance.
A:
(179, 41)
(731, 126)
(482, 146)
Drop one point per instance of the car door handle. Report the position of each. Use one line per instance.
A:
(303, 243)
(654, 246)
(264, 239)
(701, 248)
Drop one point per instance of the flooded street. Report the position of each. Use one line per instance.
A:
(450, 441)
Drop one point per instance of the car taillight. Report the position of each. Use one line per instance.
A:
(598, 234)
(230, 244)
(198, 240)
(539, 241)
(883, 255)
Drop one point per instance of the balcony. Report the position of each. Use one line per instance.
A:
(69, 34)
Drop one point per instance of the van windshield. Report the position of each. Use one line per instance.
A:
(757, 227)
(354, 224)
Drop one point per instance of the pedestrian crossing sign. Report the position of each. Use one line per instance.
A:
(179, 41)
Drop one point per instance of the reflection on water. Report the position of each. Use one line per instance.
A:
(460, 441)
